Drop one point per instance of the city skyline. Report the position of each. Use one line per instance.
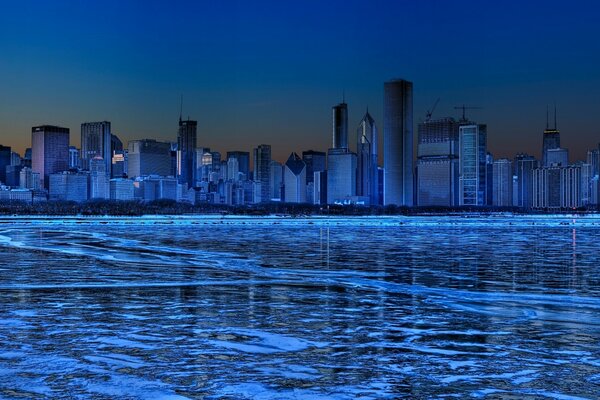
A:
(249, 76)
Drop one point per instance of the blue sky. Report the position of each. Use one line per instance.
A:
(269, 71)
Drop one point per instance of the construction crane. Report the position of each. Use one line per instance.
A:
(429, 112)
(464, 108)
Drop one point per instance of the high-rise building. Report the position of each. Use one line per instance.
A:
(95, 141)
(5, 160)
(367, 159)
(29, 179)
(551, 140)
(524, 166)
(148, 157)
(398, 143)
(115, 144)
(437, 163)
(49, 150)
(243, 158)
(340, 126)
(74, 158)
(489, 179)
(294, 180)
(472, 165)
(99, 188)
(315, 161)
(341, 176)
(15, 158)
(276, 180)
(233, 169)
(503, 183)
(262, 172)
(69, 186)
(121, 189)
(186, 149)
(120, 159)
(557, 157)
(557, 187)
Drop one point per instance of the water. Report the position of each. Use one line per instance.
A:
(271, 308)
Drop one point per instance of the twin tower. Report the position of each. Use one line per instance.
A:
(362, 179)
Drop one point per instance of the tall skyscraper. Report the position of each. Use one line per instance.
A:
(367, 159)
(551, 140)
(340, 126)
(276, 180)
(524, 166)
(437, 163)
(148, 157)
(49, 150)
(95, 141)
(74, 158)
(5, 161)
(262, 171)
(243, 158)
(341, 176)
(472, 167)
(557, 157)
(294, 180)
(503, 183)
(398, 143)
(315, 161)
(99, 188)
(186, 149)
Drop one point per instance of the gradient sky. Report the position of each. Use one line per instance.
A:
(269, 71)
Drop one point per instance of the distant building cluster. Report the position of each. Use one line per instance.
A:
(452, 167)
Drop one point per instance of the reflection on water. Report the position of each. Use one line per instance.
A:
(301, 308)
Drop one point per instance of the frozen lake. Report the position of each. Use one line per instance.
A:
(274, 308)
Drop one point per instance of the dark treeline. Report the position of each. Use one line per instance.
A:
(170, 207)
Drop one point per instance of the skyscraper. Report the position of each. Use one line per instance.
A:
(341, 176)
(340, 126)
(398, 142)
(96, 141)
(148, 157)
(437, 163)
(276, 180)
(367, 159)
(186, 148)
(524, 166)
(262, 171)
(5, 161)
(551, 139)
(99, 188)
(315, 161)
(503, 183)
(243, 158)
(472, 167)
(294, 180)
(49, 150)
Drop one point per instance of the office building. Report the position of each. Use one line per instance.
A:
(398, 143)
(437, 163)
(243, 158)
(367, 159)
(49, 151)
(262, 172)
(551, 140)
(186, 149)
(119, 164)
(294, 180)
(502, 183)
(69, 186)
(276, 182)
(472, 165)
(99, 188)
(315, 161)
(556, 187)
(74, 158)
(5, 160)
(320, 187)
(148, 157)
(29, 179)
(524, 166)
(557, 157)
(341, 176)
(13, 174)
(96, 142)
(340, 126)
(121, 189)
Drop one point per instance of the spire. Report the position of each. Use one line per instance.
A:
(180, 109)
